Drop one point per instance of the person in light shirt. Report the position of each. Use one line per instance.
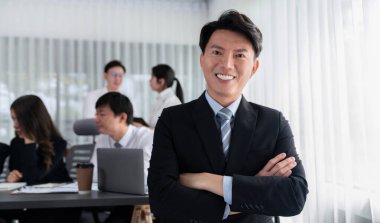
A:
(114, 72)
(114, 116)
(162, 81)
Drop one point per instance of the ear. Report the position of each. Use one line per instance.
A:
(105, 76)
(123, 117)
(201, 58)
(161, 82)
(255, 66)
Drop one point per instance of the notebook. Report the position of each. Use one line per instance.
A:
(11, 186)
(121, 170)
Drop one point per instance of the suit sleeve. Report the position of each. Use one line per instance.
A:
(275, 196)
(169, 199)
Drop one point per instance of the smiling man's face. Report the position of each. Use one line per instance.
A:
(227, 63)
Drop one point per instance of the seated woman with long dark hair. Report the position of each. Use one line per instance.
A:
(37, 151)
(36, 155)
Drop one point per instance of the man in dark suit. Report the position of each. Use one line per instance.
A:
(220, 158)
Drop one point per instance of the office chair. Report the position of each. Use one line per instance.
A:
(83, 152)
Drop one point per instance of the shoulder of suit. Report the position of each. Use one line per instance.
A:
(263, 108)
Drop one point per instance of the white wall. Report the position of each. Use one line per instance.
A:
(217, 7)
(137, 20)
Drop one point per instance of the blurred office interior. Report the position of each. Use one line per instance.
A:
(319, 66)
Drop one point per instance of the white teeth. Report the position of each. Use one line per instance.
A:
(224, 77)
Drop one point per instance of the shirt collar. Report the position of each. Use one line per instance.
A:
(216, 106)
(165, 93)
(127, 136)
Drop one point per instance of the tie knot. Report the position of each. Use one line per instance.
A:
(117, 145)
(224, 114)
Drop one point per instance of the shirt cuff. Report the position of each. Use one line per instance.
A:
(227, 189)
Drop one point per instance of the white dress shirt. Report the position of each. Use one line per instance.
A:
(164, 99)
(90, 101)
(227, 180)
(134, 138)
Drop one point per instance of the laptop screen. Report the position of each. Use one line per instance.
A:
(121, 170)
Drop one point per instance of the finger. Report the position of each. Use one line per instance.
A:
(17, 174)
(281, 164)
(272, 162)
(288, 173)
(11, 178)
(285, 169)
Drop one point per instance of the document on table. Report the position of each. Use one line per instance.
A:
(11, 186)
(51, 188)
(48, 188)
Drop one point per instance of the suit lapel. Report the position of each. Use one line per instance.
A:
(209, 134)
(242, 135)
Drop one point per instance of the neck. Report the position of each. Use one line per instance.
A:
(161, 90)
(224, 101)
(109, 89)
(118, 135)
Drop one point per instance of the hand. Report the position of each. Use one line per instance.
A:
(278, 166)
(14, 176)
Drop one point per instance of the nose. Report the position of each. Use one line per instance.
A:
(97, 119)
(228, 61)
(15, 124)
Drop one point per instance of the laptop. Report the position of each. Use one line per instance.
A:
(121, 170)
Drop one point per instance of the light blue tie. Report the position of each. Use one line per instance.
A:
(224, 120)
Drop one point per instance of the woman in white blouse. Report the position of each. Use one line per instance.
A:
(162, 81)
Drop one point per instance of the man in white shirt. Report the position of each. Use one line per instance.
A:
(114, 72)
(114, 116)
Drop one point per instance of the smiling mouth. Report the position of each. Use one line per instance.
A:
(225, 77)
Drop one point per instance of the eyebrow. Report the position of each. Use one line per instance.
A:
(242, 50)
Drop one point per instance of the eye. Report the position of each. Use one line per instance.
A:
(216, 52)
(240, 55)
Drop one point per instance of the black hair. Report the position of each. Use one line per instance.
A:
(233, 21)
(164, 71)
(114, 63)
(36, 123)
(118, 103)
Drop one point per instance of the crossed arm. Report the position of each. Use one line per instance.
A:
(277, 166)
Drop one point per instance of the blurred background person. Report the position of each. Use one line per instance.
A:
(162, 81)
(37, 151)
(114, 72)
(36, 155)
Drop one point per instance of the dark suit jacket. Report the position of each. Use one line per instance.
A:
(26, 159)
(187, 140)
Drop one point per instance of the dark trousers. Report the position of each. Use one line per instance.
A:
(120, 214)
(51, 215)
